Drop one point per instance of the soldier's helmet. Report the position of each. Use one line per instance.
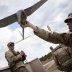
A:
(69, 18)
(10, 44)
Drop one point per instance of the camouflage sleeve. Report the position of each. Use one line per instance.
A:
(11, 58)
(48, 36)
(56, 61)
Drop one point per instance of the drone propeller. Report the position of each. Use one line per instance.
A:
(23, 33)
(20, 33)
(22, 39)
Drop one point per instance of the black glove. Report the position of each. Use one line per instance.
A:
(23, 56)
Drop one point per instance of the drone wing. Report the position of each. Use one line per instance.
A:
(13, 18)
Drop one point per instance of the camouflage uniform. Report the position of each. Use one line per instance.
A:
(15, 61)
(63, 56)
(57, 38)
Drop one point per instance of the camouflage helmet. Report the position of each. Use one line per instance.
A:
(69, 18)
(10, 44)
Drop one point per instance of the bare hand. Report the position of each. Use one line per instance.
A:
(26, 24)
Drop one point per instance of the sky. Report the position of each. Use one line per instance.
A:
(52, 13)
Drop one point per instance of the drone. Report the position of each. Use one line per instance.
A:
(27, 12)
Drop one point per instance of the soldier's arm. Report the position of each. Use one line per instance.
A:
(51, 37)
(54, 37)
(57, 38)
(11, 58)
(54, 57)
(48, 36)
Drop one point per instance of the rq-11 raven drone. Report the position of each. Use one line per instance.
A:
(13, 18)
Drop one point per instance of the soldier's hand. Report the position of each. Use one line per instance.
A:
(22, 53)
(27, 24)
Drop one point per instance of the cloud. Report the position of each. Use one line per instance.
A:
(5, 34)
(52, 13)
(33, 46)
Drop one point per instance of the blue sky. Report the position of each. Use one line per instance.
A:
(52, 13)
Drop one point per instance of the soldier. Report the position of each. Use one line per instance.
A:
(62, 58)
(57, 38)
(15, 59)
